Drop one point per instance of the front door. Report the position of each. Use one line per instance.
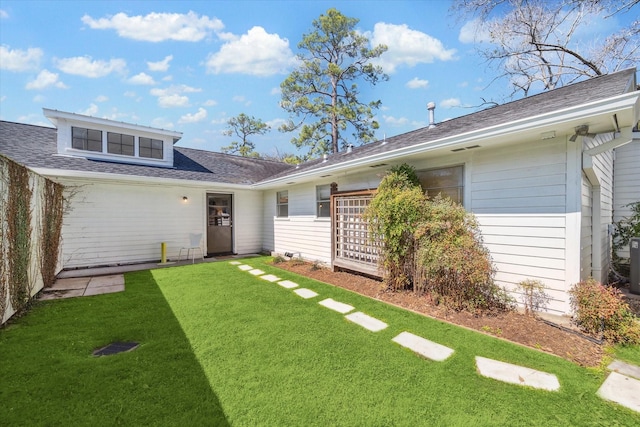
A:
(219, 224)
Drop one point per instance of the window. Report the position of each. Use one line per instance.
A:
(118, 143)
(86, 139)
(323, 201)
(282, 203)
(446, 181)
(151, 148)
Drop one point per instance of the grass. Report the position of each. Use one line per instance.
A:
(222, 347)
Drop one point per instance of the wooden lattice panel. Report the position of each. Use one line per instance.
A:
(353, 249)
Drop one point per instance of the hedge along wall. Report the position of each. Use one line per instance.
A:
(31, 211)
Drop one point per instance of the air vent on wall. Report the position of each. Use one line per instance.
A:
(378, 165)
(471, 147)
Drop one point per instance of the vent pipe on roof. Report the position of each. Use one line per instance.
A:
(432, 121)
(349, 148)
(325, 157)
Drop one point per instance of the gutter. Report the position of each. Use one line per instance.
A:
(616, 104)
(136, 179)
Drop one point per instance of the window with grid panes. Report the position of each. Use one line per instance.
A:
(151, 148)
(86, 139)
(118, 143)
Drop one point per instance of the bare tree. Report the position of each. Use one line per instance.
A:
(536, 42)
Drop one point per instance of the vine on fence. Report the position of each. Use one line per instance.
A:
(18, 215)
(52, 214)
(3, 241)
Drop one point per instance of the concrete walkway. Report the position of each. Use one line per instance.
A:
(84, 286)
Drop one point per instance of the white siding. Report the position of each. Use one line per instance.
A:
(519, 196)
(627, 181)
(122, 223)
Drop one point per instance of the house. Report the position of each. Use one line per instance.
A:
(545, 176)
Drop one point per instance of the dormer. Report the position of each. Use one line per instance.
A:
(108, 140)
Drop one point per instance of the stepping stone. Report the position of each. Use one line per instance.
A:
(100, 290)
(270, 278)
(256, 272)
(306, 293)
(245, 267)
(99, 281)
(515, 374)
(622, 390)
(288, 284)
(625, 369)
(366, 321)
(423, 347)
(340, 307)
(235, 262)
(66, 284)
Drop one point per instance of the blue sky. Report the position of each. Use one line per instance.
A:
(189, 66)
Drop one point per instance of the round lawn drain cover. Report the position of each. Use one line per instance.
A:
(115, 348)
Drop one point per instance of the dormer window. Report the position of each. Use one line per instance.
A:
(151, 148)
(107, 140)
(118, 143)
(87, 139)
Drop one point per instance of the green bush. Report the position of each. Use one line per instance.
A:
(431, 246)
(393, 216)
(452, 263)
(601, 310)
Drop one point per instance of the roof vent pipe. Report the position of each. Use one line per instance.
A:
(325, 157)
(349, 148)
(432, 121)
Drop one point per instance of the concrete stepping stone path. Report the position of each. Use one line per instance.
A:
(256, 272)
(288, 284)
(306, 293)
(235, 262)
(366, 321)
(625, 369)
(334, 305)
(622, 390)
(245, 267)
(515, 374)
(423, 347)
(270, 278)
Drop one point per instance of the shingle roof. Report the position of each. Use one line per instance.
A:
(565, 97)
(35, 147)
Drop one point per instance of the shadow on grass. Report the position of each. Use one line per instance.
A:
(49, 376)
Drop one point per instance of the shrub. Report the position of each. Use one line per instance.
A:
(451, 262)
(533, 298)
(393, 216)
(599, 309)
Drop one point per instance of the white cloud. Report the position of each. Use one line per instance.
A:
(91, 111)
(416, 83)
(210, 103)
(255, 53)
(45, 79)
(160, 65)
(393, 121)
(85, 66)
(173, 95)
(3, 14)
(474, 31)
(130, 94)
(238, 98)
(102, 98)
(162, 123)
(167, 78)
(2, 98)
(39, 99)
(141, 79)
(276, 91)
(450, 103)
(157, 27)
(194, 118)
(407, 47)
(20, 60)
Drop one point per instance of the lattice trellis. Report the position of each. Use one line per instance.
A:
(352, 247)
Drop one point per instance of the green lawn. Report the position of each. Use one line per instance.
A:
(222, 347)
